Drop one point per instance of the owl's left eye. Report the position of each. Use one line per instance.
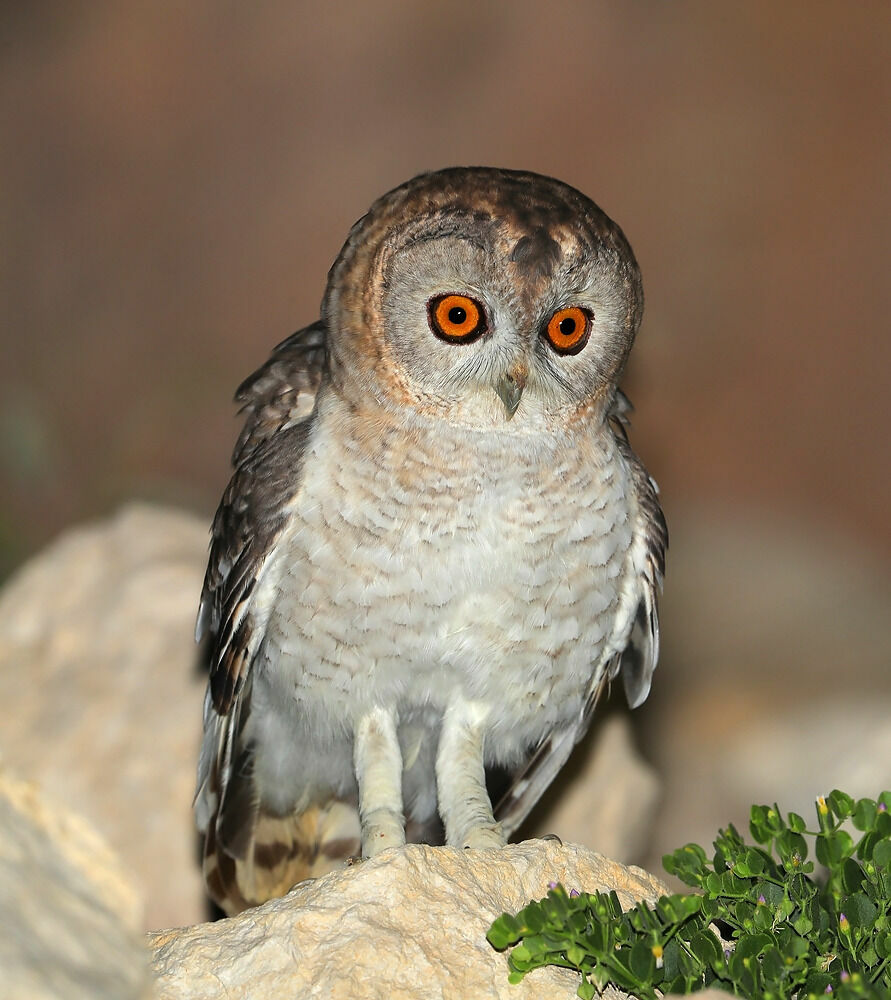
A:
(457, 318)
(567, 330)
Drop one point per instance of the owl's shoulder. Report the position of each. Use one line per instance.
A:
(282, 391)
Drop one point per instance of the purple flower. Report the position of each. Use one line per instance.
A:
(573, 893)
(552, 885)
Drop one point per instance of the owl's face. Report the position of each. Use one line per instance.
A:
(484, 297)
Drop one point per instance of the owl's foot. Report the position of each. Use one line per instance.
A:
(380, 830)
(484, 837)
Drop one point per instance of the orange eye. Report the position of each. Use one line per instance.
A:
(456, 317)
(567, 330)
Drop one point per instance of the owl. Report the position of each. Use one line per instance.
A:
(437, 546)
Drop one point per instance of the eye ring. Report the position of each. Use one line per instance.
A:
(456, 318)
(568, 329)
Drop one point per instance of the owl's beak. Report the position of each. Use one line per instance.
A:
(510, 387)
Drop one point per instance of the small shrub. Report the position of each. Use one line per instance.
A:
(786, 934)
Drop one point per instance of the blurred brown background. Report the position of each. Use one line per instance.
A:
(175, 180)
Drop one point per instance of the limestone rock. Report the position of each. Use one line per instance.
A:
(100, 694)
(69, 915)
(410, 923)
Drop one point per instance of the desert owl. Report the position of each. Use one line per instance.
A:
(437, 545)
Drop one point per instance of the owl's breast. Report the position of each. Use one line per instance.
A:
(409, 571)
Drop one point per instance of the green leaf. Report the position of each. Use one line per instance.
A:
(840, 803)
(833, 846)
(881, 853)
(554, 906)
(772, 964)
(586, 990)
(726, 884)
(864, 814)
(642, 961)
(670, 960)
(505, 930)
(705, 947)
(575, 954)
(532, 917)
(752, 945)
(773, 894)
(860, 910)
(797, 823)
(816, 984)
(883, 945)
(852, 875)
(676, 909)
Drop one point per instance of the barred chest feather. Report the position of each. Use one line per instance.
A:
(417, 562)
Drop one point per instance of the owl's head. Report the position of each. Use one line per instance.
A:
(486, 297)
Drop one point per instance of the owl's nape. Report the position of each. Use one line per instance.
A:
(437, 545)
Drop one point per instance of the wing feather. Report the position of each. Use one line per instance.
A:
(277, 401)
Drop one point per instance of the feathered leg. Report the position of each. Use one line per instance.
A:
(461, 778)
(378, 763)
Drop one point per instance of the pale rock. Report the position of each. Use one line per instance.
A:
(408, 925)
(69, 914)
(101, 696)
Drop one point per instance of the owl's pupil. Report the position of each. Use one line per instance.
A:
(567, 326)
(457, 315)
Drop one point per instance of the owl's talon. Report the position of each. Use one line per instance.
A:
(552, 836)
(484, 838)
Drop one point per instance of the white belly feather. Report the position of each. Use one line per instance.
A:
(412, 572)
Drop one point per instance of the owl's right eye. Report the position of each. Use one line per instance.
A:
(456, 318)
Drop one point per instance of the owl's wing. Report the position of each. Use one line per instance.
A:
(636, 661)
(277, 400)
(648, 548)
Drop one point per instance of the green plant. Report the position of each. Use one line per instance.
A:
(783, 933)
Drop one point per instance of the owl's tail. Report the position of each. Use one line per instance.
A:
(251, 854)
(282, 851)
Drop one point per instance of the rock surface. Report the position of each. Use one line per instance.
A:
(408, 925)
(68, 913)
(100, 694)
